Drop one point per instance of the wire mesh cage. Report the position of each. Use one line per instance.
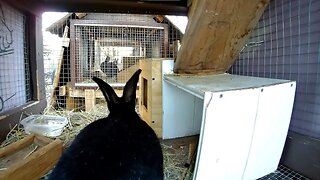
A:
(15, 81)
(105, 45)
(285, 45)
(108, 51)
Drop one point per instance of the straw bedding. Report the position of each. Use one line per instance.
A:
(175, 152)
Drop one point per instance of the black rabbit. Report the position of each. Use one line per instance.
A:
(109, 68)
(121, 146)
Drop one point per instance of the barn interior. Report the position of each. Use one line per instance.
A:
(234, 95)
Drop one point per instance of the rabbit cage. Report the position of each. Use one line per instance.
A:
(284, 45)
(108, 46)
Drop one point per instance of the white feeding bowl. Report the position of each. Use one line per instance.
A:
(50, 126)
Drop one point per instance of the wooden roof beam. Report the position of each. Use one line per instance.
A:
(166, 7)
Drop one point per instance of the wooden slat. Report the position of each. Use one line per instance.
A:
(74, 93)
(58, 71)
(215, 34)
(36, 163)
(152, 72)
(11, 148)
(71, 102)
(123, 76)
(90, 99)
(145, 113)
(62, 91)
(156, 97)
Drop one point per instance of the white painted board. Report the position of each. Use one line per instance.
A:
(271, 128)
(244, 122)
(198, 85)
(226, 149)
(167, 66)
(226, 133)
(182, 113)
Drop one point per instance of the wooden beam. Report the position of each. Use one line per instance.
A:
(62, 91)
(173, 7)
(23, 161)
(55, 91)
(90, 99)
(215, 34)
(177, 7)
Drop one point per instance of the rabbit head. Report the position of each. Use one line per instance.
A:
(124, 103)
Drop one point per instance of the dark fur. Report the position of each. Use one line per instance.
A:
(121, 146)
(109, 68)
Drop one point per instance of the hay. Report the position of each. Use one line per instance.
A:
(77, 120)
(174, 158)
(16, 133)
(172, 162)
(175, 155)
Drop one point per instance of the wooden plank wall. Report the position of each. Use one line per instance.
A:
(152, 72)
(215, 34)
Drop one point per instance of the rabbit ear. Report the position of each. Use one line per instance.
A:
(108, 92)
(129, 91)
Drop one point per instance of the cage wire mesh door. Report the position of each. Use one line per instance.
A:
(105, 45)
(15, 86)
(113, 52)
(109, 50)
(285, 45)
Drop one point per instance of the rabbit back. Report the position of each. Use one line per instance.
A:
(112, 149)
(121, 146)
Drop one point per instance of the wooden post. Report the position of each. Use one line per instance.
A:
(71, 102)
(90, 99)
(58, 71)
(215, 34)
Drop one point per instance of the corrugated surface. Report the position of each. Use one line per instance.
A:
(285, 45)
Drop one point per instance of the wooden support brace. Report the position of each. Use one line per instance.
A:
(90, 99)
(62, 91)
(59, 68)
(215, 34)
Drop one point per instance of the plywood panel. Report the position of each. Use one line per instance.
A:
(156, 97)
(152, 73)
(146, 74)
(152, 114)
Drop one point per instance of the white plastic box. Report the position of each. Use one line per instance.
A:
(46, 125)
(242, 122)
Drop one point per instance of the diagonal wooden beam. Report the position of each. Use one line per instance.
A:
(215, 34)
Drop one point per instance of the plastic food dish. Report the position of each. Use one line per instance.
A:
(50, 126)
